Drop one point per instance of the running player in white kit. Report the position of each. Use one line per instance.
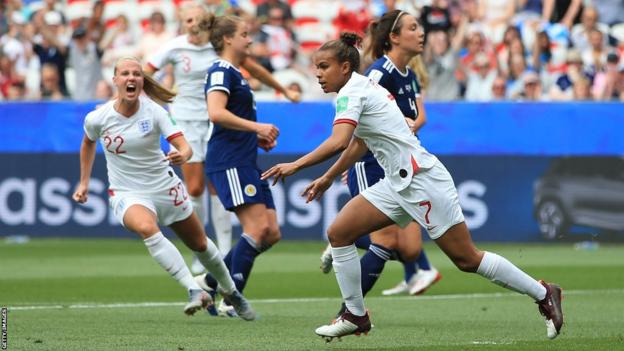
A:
(191, 55)
(143, 190)
(416, 187)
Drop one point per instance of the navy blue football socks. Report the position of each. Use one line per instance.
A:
(363, 242)
(372, 264)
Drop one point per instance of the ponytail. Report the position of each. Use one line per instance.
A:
(156, 91)
(380, 31)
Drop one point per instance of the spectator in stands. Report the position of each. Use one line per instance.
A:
(581, 89)
(517, 67)
(278, 40)
(499, 89)
(263, 9)
(480, 79)
(442, 59)
(581, 32)
(353, 16)
(156, 35)
(610, 12)
(595, 57)
(17, 91)
(503, 49)
(562, 89)
(476, 44)
(118, 42)
(50, 47)
(50, 83)
(541, 55)
(605, 82)
(4, 20)
(436, 16)
(7, 75)
(496, 16)
(15, 45)
(565, 12)
(532, 87)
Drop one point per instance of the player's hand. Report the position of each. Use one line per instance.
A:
(292, 95)
(176, 158)
(344, 178)
(411, 124)
(267, 131)
(280, 171)
(316, 189)
(81, 194)
(265, 144)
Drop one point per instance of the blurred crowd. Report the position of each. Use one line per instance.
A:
(476, 50)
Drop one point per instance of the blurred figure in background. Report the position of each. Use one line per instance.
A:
(580, 34)
(441, 58)
(480, 79)
(50, 86)
(499, 89)
(156, 35)
(532, 87)
(581, 89)
(561, 90)
(119, 41)
(496, 16)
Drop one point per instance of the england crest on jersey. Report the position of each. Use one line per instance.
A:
(145, 126)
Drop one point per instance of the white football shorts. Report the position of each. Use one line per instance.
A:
(169, 206)
(431, 200)
(197, 134)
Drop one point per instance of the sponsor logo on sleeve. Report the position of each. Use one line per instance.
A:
(342, 103)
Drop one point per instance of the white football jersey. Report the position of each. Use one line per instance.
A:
(380, 123)
(134, 159)
(190, 64)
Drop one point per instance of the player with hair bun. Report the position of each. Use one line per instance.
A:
(144, 190)
(416, 187)
(394, 40)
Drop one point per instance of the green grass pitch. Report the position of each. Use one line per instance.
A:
(74, 294)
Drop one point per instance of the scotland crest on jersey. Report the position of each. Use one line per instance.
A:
(145, 126)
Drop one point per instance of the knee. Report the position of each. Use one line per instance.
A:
(467, 264)
(145, 229)
(409, 255)
(195, 189)
(336, 237)
(200, 245)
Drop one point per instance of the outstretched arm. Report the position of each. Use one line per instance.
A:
(355, 151)
(337, 142)
(261, 73)
(87, 156)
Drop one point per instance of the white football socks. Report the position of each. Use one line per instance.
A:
(211, 259)
(169, 258)
(348, 274)
(222, 224)
(502, 272)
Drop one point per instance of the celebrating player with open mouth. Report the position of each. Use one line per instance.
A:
(416, 187)
(144, 191)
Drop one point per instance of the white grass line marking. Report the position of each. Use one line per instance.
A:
(87, 305)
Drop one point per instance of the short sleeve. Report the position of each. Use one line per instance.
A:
(167, 124)
(348, 109)
(159, 59)
(218, 78)
(91, 128)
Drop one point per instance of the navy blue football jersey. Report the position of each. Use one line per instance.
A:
(402, 85)
(230, 148)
